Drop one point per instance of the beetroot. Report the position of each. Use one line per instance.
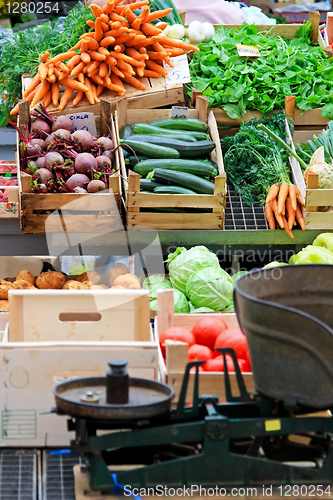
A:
(63, 122)
(95, 186)
(105, 143)
(43, 175)
(41, 163)
(38, 142)
(85, 163)
(84, 139)
(49, 139)
(109, 154)
(52, 159)
(40, 128)
(62, 135)
(80, 190)
(103, 162)
(77, 180)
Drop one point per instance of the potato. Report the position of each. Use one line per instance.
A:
(4, 288)
(23, 285)
(97, 287)
(50, 280)
(116, 270)
(26, 276)
(4, 305)
(117, 288)
(92, 276)
(128, 281)
(72, 285)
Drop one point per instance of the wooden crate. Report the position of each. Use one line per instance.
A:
(37, 355)
(136, 202)
(10, 209)
(157, 94)
(70, 212)
(177, 353)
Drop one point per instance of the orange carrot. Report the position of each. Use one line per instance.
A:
(80, 77)
(47, 98)
(51, 79)
(133, 81)
(88, 35)
(62, 57)
(150, 74)
(136, 54)
(272, 193)
(117, 88)
(141, 41)
(283, 193)
(57, 72)
(97, 79)
(145, 14)
(293, 196)
(74, 84)
(286, 227)
(109, 40)
(55, 93)
(290, 212)
(156, 67)
(117, 32)
(154, 55)
(40, 92)
(133, 6)
(103, 70)
(50, 70)
(96, 9)
(300, 218)
(98, 30)
(65, 98)
(124, 66)
(118, 48)
(90, 97)
(136, 23)
(60, 65)
(15, 109)
(278, 217)
(78, 68)
(126, 58)
(91, 24)
(97, 56)
(85, 57)
(93, 90)
(116, 81)
(73, 62)
(77, 45)
(299, 196)
(175, 52)
(92, 73)
(115, 25)
(91, 66)
(111, 61)
(93, 44)
(117, 72)
(108, 7)
(171, 42)
(270, 216)
(158, 14)
(85, 45)
(150, 29)
(44, 57)
(103, 50)
(32, 85)
(42, 70)
(165, 56)
(116, 17)
(125, 38)
(105, 27)
(104, 18)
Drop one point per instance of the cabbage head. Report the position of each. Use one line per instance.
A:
(181, 304)
(202, 310)
(182, 263)
(210, 287)
(154, 283)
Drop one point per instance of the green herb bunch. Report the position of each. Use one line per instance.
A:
(285, 67)
(21, 54)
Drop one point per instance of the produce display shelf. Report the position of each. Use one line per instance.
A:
(239, 216)
(18, 474)
(57, 475)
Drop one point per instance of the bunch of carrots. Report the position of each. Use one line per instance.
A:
(120, 48)
(284, 204)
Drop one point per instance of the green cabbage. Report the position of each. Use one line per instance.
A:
(238, 275)
(182, 263)
(210, 287)
(202, 310)
(154, 283)
(180, 301)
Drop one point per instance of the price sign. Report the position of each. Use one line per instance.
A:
(180, 73)
(179, 112)
(247, 50)
(84, 121)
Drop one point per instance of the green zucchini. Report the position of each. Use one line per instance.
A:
(186, 149)
(149, 185)
(132, 160)
(148, 149)
(185, 135)
(125, 131)
(173, 190)
(184, 179)
(196, 167)
(182, 123)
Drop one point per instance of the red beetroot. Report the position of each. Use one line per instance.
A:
(95, 186)
(84, 139)
(77, 180)
(85, 163)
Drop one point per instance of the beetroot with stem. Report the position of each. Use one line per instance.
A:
(43, 176)
(49, 140)
(40, 163)
(103, 163)
(63, 135)
(63, 122)
(53, 159)
(38, 142)
(105, 143)
(96, 185)
(80, 190)
(40, 128)
(85, 163)
(27, 151)
(78, 180)
(83, 139)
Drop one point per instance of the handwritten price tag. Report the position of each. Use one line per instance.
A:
(179, 111)
(247, 50)
(84, 121)
(180, 73)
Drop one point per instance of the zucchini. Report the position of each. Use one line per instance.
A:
(196, 167)
(186, 149)
(184, 179)
(173, 190)
(148, 149)
(185, 135)
(131, 161)
(125, 131)
(149, 185)
(182, 123)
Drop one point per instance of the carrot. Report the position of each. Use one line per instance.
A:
(144, 14)
(165, 56)
(150, 29)
(96, 9)
(162, 26)
(51, 79)
(103, 50)
(117, 71)
(283, 193)
(103, 70)
(108, 7)
(88, 92)
(42, 70)
(156, 67)
(125, 38)
(293, 196)
(272, 193)
(62, 57)
(109, 40)
(299, 196)
(74, 84)
(154, 56)
(300, 218)
(117, 32)
(116, 81)
(60, 65)
(32, 85)
(137, 23)
(111, 61)
(278, 217)
(104, 18)
(175, 52)
(290, 212)
(150, 74)
(164, 40)
(270, 216)
(88, 35)
(91, 66)
(78, 68)
(133, 6)
(77, 45)
(40, 92)
(97, 79)
(133, 81)
(91, 24)
(96, 56)
(105, 27)
(126, 58)
(286, 227)
(122, 65)
(112, 86)
(85, 45)
(85, 57)
(115, 25)
(99, 89)
(50, 70)
(141, 41)
(73, 62)
(57, 72)
(157, 14)
(55, 93)
(140, 71)
(98, 30)
(116, 17)
(92, 73)
(136, 54)
(93, 90)
(93, 44)
(65, 98)
(80, 77)
(44, 57)
(118, 48)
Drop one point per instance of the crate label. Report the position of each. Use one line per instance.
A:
(84, 121)
(247, 50)
(18, 424)
(272, 425)
(179, 112)
(10, 209)
(180, 73)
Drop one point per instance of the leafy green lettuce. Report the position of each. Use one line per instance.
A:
(210, 287)
(180, 301)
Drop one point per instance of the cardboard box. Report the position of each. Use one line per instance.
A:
(42, 351)
(173, 370)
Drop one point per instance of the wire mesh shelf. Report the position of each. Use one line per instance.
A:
(18, 474)
(240, 216)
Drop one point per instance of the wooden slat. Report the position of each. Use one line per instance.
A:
(285, 30)
(311, 183)
(302, 136)
(137, 199)
(319, 197)
(77, 223)
(78, 202)
(174, 221)
(314, 18)
(318, 220)
(216, 154)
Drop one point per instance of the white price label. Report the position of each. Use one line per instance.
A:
(180, 73)
(179, 112)
(84, 121)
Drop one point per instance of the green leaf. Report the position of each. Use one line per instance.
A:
(232, 111)
(327, 111)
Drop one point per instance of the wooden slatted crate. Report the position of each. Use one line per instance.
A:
(69, 212)
(137, 203)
